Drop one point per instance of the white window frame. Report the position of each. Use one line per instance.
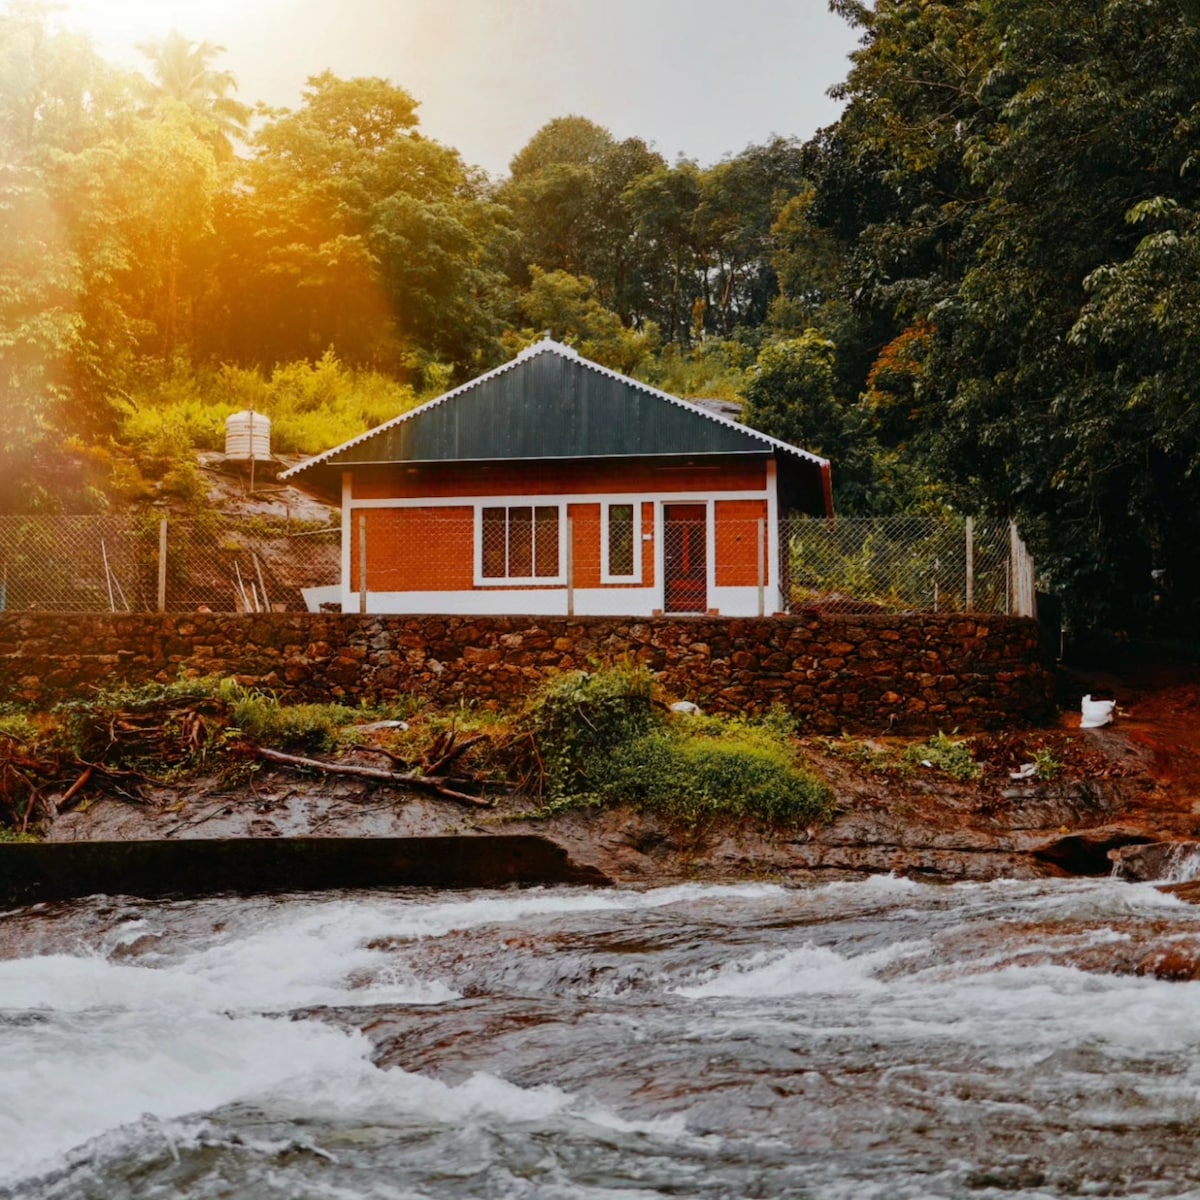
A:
(507, 581)
(606, 574)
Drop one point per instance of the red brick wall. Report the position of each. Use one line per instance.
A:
(555, 479)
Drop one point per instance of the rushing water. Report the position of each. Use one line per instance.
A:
(881, 1039)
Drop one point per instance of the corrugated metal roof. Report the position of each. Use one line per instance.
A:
(547, 403)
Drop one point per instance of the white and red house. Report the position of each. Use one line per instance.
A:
(553, 485)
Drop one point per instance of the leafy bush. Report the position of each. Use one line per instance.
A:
(1049, 765)
(311, 406)
(15, 835)
(601, 739)
(580, 719)
(944, 753)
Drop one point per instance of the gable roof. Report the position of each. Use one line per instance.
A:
(550, 403)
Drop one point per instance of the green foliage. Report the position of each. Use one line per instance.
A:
(602, 740)
(580, 719)
(1014, 208)
(310, 728)
(942, 752)
(18, 727)
(566, 307)
(311, 406)
(713, 369)
(15, 835)
(1049, 765)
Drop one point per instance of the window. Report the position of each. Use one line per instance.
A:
(622, 528)
(520, 543)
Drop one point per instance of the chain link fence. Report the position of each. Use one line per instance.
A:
(227, 564)
(136, 564)
(905, 564)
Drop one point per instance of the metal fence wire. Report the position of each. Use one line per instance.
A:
(237, 564)
(134, 564)
(905, 564)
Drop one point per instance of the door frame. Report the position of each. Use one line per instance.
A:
(660, 521)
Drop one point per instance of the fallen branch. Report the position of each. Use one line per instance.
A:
(453, 750)
(425, 783)
(74, 789)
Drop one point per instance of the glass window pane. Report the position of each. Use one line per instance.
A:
(620, 539)
(495, 555)
(520, 543)
(546, 547)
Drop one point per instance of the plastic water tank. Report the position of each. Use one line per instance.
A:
(247, 436)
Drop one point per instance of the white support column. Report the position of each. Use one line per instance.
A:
(970, 539)
(362, 562)
(774, 579)
(347, 544)
(570, 565)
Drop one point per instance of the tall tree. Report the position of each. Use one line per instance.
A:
(566, 194)
(354, 231)
(183, 71)
(63, 329)
(1001, 175)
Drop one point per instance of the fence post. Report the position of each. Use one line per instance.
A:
(362, 562)
(970, 536)
(570, 564)
(162, 565)
(762, 562)
(1014, 562)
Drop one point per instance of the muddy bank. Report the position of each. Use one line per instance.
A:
(922, 823)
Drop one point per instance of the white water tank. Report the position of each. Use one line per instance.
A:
(247, 436)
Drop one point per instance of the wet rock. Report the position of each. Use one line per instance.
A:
(1172, 862)
(1087, 852)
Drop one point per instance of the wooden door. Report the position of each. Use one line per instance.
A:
(685, 560)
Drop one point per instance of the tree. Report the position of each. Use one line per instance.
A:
(183, 72)
(981, 180)
(354, 231)
(565, 307)
(740, 200)
(567, 197)
(63, 329)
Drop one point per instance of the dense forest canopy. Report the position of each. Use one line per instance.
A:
(978, 289)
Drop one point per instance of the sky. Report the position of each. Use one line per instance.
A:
(697, 78)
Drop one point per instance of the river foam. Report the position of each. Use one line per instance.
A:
(876, 1039)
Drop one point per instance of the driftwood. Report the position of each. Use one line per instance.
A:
(425, 783)
(76, 787)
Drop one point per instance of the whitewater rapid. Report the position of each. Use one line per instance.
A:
(876, 1039)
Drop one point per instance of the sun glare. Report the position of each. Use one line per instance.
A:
(118, 26)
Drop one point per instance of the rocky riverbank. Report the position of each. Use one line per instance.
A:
(1091, 792)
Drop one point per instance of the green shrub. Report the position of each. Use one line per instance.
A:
(1048, 764)
(579, 719)
(948, 756)
(15, 835)
(601, 739)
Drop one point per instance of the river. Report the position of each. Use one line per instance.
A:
(882, 1039)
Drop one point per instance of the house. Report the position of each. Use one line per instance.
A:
(553, 485)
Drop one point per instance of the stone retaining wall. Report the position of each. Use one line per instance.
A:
(909, 674)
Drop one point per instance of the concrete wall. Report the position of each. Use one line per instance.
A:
(855, 672)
